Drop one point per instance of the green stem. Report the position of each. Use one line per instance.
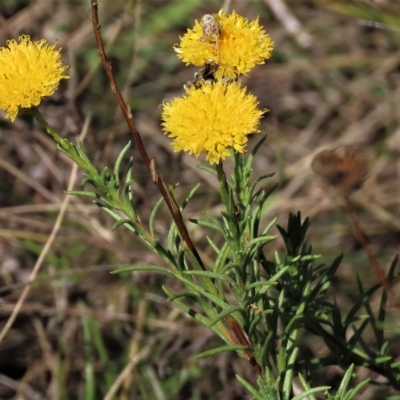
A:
(50, 131)
(227, 199)
(76, 153)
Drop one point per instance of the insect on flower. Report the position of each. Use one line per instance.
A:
(211, 31)
(204, 75)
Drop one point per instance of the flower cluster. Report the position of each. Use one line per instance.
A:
(216, 113)
(29, 71)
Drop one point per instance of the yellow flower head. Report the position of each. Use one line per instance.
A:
(29, 71)
(239, 46)
(211, 119)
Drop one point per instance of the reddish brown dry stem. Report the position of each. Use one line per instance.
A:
(363, 240)
(240, 338)
(156, 176)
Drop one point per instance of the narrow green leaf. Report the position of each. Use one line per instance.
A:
(282, 363)
(116, 216)
(222, 349)
(142, 267)
(279, 274)
(207, 169)
(108, 202)
(395, 365)
(197, 316)
(81, 193)
(216, 300)
(223, 314)
(153, 216)
(353, 392)
(119, 160)
(384, 348)
(173, 238)
(254, 151)
(179, 295)
(122, 222)
(357, 335)
(128, 200)
(262, 240)
(222, 255)
(289, 373)
(268, 227)
(361, 300)
(265, 355)
(205, 281)
(189, 310)
(214, 226)
(212, 275)
(253, 325)
(382, 360)
(231, 265)
(105, 175)
(306, 385)
(250, 388)
(311, 391)
(189, 197)
(213, 245)
(345, 383)
(266, 284)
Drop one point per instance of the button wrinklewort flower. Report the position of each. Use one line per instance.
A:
(241, 45)
(29, 71)
(212, 119)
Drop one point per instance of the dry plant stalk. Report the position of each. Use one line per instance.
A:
(345, 170)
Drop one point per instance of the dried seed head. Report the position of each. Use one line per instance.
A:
(341, 168)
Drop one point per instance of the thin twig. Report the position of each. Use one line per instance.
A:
(46, 247)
